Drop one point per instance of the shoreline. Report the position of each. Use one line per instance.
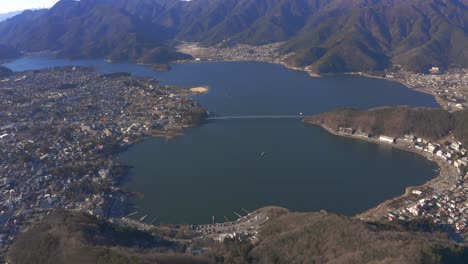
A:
(381, 210)
(121, 179)
(382, 206)
(311, 74)
(442, 103)
(169, 134)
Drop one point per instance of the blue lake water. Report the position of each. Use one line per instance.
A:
(218, 168)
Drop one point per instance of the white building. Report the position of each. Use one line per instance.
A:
(455, 145)
(409, 137)
(390, 140)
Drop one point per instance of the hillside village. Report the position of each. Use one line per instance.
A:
(449, 87)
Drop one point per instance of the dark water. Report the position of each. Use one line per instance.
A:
(254, 88)
(218, 168)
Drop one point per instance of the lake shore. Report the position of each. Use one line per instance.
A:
(443, 104)
(440, 182)
(175, 133)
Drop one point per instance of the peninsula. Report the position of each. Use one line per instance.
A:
(435, 134)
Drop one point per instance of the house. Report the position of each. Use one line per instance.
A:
(386, 139)
(455, 145)
(346, 130)
(434, 70)
(461, 163)
(103, 173)
(409, 137)
(414, 210)
(361, 133)
(432, 148)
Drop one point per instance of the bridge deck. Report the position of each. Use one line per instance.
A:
(255, 117)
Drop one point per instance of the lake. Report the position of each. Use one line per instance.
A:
(218, 168)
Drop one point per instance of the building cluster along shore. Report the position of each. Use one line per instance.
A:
(58, 131)
(443, 200)
(450, 87)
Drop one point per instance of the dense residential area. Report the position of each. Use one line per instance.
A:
(59, 128)
(450, 87)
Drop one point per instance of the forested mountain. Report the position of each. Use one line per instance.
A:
(328, 35)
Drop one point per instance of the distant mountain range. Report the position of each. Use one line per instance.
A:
(6, 16)
(327, 35)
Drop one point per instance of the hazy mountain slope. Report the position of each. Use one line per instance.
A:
(86, 29)
(8, 15)
(329, 36)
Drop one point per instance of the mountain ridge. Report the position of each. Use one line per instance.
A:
(327, 36)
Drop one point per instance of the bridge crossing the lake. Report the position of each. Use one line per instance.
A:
(256, 117)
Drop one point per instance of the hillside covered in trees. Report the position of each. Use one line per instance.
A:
(329, 238)
(326, 35)
(72, 237)
(396, 121)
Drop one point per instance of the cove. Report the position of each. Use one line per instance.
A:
(218, 168)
